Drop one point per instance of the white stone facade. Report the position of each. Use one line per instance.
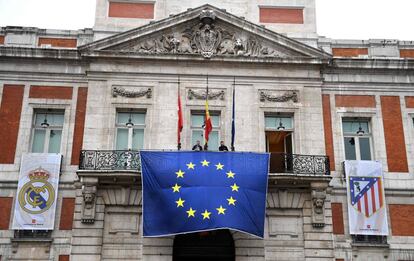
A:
(133, 62)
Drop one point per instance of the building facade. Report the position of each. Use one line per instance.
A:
(107, 92)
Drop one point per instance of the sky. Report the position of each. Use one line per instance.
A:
(339, 19)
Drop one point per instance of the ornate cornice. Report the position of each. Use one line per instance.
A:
(120, 91)
(201, 95)
(268, 96)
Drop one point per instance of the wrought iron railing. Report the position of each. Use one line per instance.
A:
(299, 164)
(130, 160)
(110, 160)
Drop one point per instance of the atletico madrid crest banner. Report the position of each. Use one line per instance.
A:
(366, 201)
(197, 191)
(37, 189)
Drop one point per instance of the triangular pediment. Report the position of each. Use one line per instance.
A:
(204, 32)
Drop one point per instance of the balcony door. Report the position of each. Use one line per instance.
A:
(279, 142)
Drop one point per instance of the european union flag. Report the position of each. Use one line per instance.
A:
(197, 191)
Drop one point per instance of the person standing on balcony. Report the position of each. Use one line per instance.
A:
(197, 146)
(223, 147)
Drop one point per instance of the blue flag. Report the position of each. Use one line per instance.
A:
(197, 191)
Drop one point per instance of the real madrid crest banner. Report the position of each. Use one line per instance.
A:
(366, 199)
(198, 191)
(37, 190)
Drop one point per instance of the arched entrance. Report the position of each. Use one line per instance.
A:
(211, 245)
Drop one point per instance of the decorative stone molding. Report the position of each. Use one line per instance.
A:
(121, 91)
(268, 96)
(318, 196)
(201, 95)
(89, 188)
(206, 37)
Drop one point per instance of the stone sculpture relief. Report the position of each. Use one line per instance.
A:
(201, 95)
(318, 209)
(206, 38)
(89, 203)
(120, 91)
(290, 95)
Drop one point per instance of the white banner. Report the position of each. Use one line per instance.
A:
(367, 210)
(37, 190)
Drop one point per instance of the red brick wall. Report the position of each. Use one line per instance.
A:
(409, 101)
(339, 259)
(327, 126)
(337, 219)
(50, 92)
(66, 214)
(367, 101)
(58, 42)
(407, 53)
(131, 10)
(402, 221)
(10, 110)
(349, 52)
(1, 39)
(5, 212)
(281, 15)
(63, 257)
(79, 124)
(394, 134)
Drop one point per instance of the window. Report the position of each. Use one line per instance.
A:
(279, 142)
(130, 130)
(357, 139)
(47, 131)
(197, 129)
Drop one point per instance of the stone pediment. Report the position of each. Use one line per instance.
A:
(206, 32)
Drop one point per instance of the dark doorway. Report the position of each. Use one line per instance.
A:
(211, 245)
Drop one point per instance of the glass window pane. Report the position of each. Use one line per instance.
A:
(352, 127)
(137, 139)
(213, 141)
(197, 120)
(273, 122)
(122, 139)
(55, 119)
(197, 135)
(122, 118)
(38, 141)
(349, 148)
(39, 118)
(138, 118)
(54, 141)
(365, 149)
(215, 120)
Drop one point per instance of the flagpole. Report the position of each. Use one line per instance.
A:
(233, 127)
(205, 120)
(180, 116)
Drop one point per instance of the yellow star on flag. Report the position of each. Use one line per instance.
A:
(190, 165)
(221, 210)
(176, 188)
(191, 212)
(205, 163)
(231, 201)
(230, 174)
(180, 202)
(219, 166)
(206, 214)
(180, 174)
(234, 187)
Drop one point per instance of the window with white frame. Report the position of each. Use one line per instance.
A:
(47, 131)
(130, 127)
(197, 129)
(357, 138)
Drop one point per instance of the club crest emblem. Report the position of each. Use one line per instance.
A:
(366, 194)
(38, 194)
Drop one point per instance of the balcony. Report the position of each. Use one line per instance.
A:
(129, 160)
(110, 160)
(299, 164)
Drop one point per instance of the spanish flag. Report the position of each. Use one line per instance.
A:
(208, 127)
